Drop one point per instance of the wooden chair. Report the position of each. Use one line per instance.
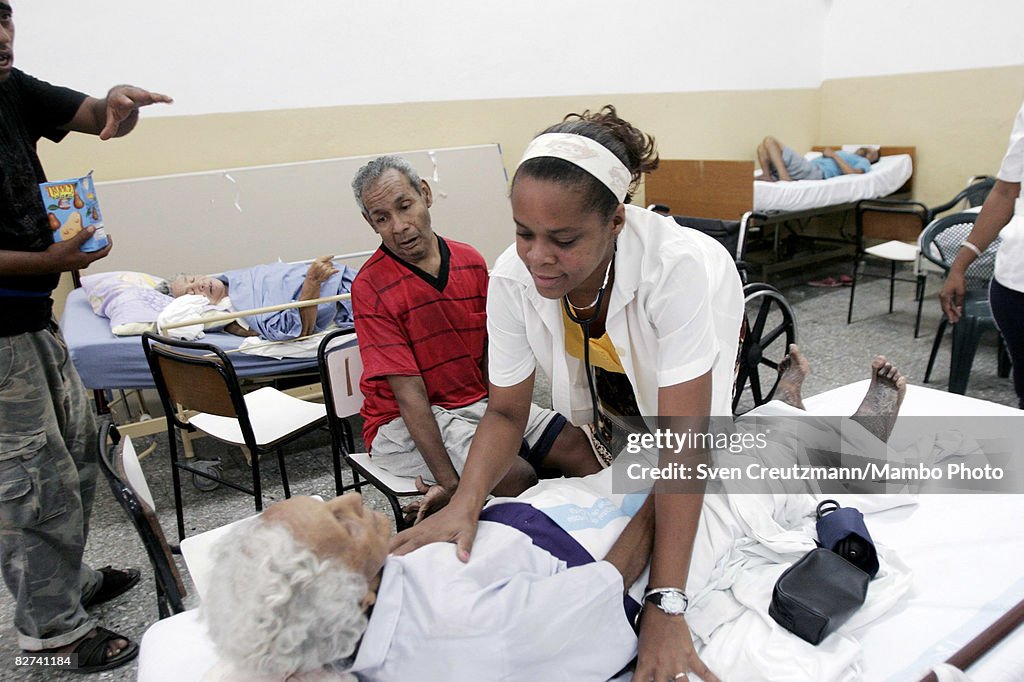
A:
(200, 377)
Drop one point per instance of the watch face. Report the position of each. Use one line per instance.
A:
(672, 603)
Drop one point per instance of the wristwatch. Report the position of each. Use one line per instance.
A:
(671, 600)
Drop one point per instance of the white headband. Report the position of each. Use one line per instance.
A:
(588, 154)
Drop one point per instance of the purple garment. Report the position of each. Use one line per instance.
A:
(550, 537)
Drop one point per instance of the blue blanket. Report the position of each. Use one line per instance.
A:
(277, 283)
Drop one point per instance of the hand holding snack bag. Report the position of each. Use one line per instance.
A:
(71, 206)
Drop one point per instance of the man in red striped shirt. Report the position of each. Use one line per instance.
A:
(420, 314)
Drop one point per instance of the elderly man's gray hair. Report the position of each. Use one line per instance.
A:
(274, 607)
(371, 172)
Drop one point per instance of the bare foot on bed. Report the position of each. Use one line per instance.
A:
(877, 413)
(793, 369)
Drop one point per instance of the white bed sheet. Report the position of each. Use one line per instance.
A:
(885, 177)
(966, 552)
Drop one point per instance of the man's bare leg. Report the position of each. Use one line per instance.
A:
(766, 164)
(793, 369)
(877, 412)
(774, 149)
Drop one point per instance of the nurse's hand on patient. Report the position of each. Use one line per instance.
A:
(435, 497)
(454, 523)
(68, 254)
(666, 650)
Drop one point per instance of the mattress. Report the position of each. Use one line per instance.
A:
(886, 176)
(965, 551)
(105, 361)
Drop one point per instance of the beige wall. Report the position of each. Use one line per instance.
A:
(721, 125)
(959, 121)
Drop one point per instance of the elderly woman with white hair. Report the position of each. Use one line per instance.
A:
(302, 593)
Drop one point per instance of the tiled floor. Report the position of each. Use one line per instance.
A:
(839, 354)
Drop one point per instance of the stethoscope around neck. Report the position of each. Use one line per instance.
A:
(584, 322)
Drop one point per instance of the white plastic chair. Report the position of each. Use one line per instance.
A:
(341, 368)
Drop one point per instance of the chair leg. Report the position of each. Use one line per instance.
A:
(172, 446)
(935, 349)
(257, 484)
(892, 283)
(396, 507)
(853, 289)
(284, 473)
(921, 282)
(339, 485)
(966, 333)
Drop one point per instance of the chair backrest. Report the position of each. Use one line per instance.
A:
(940, 243)
(197, 376)
(121, 466)
(341, 368)
(889, 219)
(977, 190)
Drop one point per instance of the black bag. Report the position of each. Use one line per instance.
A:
(842, 530)
(817, 594)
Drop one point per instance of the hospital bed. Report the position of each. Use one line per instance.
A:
(231, 218)
(727, 190)
(965, 552)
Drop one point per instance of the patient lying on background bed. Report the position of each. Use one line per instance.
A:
(779, 162)
(274, 284)
(307, 587)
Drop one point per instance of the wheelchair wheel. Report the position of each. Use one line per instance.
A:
(212, 467)
(769, 326)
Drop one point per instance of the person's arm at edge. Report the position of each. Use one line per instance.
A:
(319, 271)
(996, 212)
(666, 645)
(116, 114)
(414, 405)
(494, 448)
(58, 257)
(632, 549)
(844, 168)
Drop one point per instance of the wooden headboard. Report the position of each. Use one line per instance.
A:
(719, 189)
(702, 188)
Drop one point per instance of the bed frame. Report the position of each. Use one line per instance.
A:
(725, 190)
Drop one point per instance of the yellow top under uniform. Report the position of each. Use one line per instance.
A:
(602, 351)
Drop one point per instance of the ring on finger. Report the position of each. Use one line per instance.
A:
(680, 676)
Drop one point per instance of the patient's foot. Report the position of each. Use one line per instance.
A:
(877, 413)
(793, 369)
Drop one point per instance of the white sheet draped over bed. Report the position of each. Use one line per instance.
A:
(886, 176)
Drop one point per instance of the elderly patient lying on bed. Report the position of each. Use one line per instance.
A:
(308, 588)
(274, 284)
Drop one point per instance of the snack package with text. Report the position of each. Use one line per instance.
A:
(71, 206)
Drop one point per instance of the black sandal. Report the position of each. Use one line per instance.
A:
(115, 583)
(92, 652)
